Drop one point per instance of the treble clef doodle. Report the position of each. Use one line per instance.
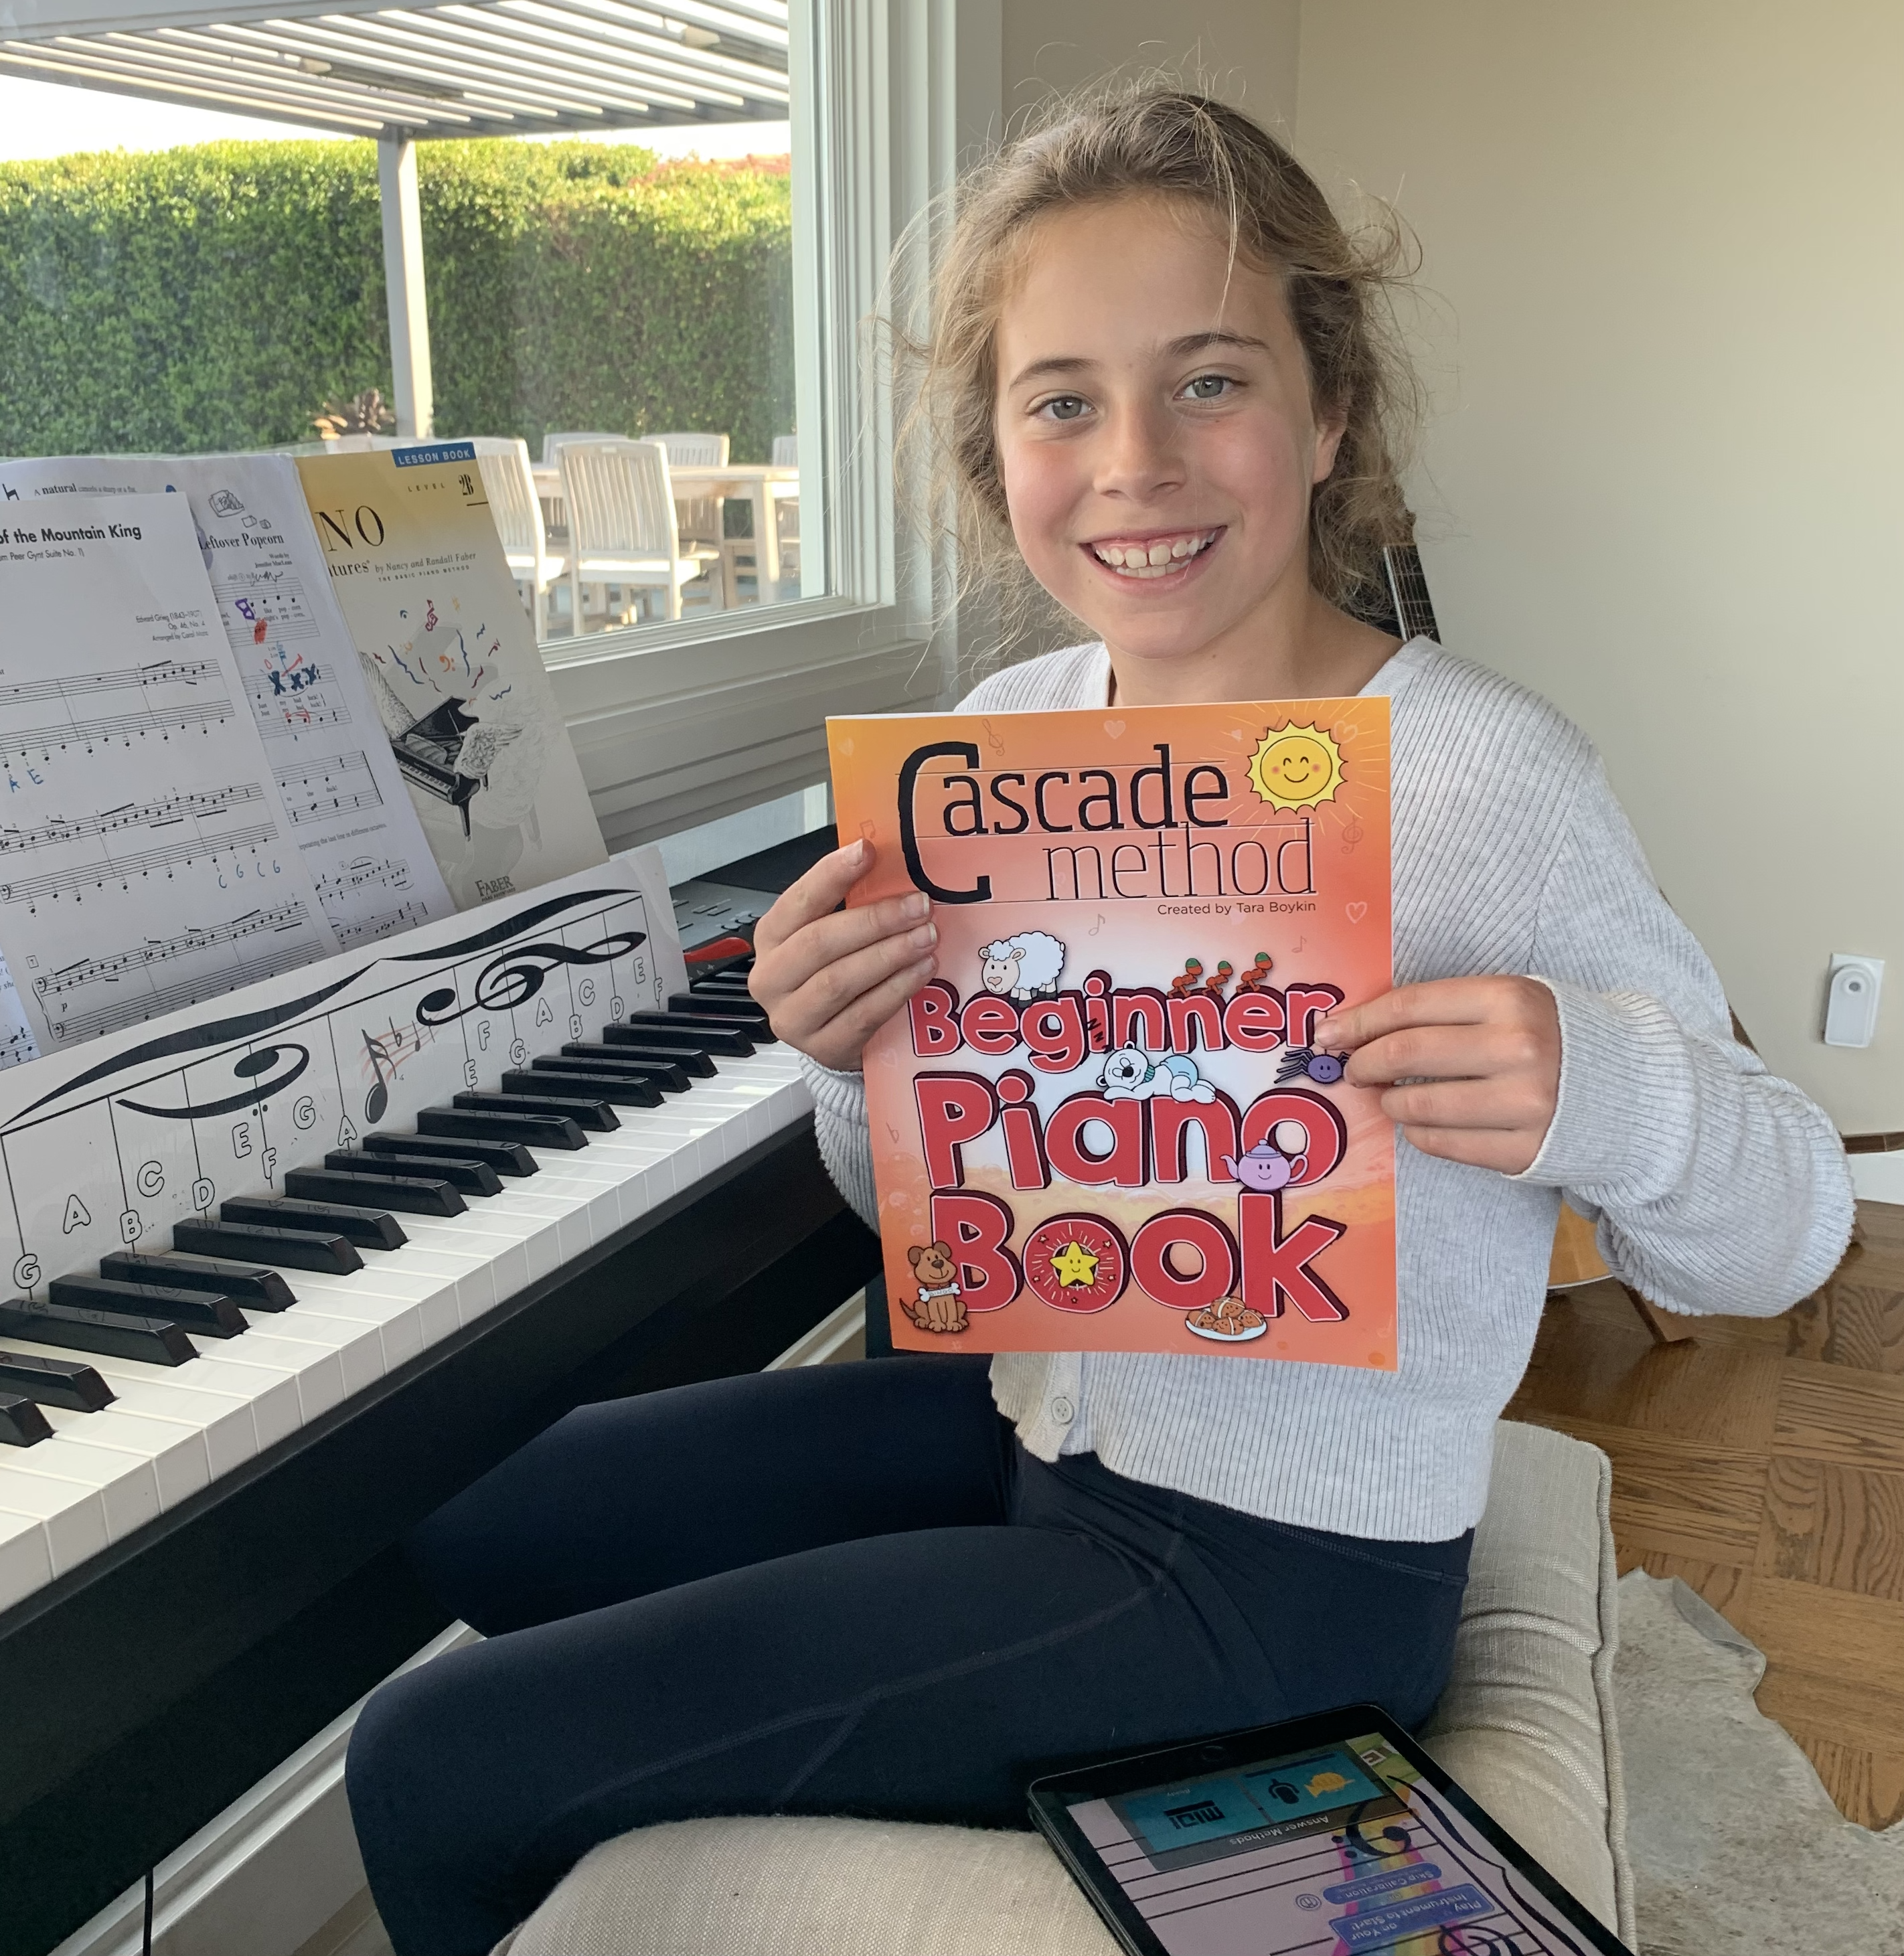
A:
(515, 978)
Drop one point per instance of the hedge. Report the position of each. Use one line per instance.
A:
(215, 297)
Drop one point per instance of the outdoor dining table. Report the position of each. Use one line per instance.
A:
(759, 483)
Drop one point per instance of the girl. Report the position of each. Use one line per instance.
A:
(894, 1588)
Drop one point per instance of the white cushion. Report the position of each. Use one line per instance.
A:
(1526, 1725)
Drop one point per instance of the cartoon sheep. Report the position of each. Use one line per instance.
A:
(1024, 966)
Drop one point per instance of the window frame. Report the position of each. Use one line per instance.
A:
(680, 723)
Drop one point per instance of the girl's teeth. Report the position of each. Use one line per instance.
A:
(1149, 560)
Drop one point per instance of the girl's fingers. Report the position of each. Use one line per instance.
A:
(1507, 1152)
(783, 970)
(1510, 1106)
(840, 1043)
(1444, 1053)
(822, 889)
(808, 1009)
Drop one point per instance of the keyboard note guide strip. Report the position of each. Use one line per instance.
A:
(217, 1228)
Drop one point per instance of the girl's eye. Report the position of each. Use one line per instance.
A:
(1065, 408)
(1208, 387)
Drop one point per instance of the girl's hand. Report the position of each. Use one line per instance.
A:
(1479, 1057)
(831, 978)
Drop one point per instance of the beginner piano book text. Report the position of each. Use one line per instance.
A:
(1107, 1123)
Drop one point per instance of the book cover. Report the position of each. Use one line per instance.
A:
(1105, 1124)
(454, 668)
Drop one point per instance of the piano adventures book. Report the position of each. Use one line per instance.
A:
(1105, 1124)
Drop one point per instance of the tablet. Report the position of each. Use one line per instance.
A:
(1325, 1837)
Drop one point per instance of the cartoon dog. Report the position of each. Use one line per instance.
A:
(1130, 1074)
(1024, 966)
(940, 1307)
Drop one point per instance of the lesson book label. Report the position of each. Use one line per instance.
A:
(1108, 1123)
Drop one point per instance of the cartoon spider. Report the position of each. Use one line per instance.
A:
(1300, 1062)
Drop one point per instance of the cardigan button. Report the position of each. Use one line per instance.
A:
(1063, 1411)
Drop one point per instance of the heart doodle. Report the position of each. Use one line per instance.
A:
(1114, 728)
(1357, 911)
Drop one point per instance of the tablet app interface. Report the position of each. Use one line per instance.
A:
(1326, 1852)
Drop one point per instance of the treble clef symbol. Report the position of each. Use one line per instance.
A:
(378, 1098)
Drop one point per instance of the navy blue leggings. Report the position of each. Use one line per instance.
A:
(842, 1590)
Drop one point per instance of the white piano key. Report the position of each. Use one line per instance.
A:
(73, 1516)
(180, 1461)
(125, 1484)
(25, 1558)
(306, 1340)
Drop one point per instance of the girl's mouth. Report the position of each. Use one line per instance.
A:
(1144, 559)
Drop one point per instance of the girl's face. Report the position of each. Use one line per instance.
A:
(1156, 436)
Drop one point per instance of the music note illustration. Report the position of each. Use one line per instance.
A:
(378, 1098)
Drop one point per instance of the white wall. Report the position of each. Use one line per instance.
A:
(1244, 51)
(1667, 468)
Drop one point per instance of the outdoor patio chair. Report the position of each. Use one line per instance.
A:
(786, 451)
(552, 444)
(699, 518)
(503, 461)
(694, 451)
(622, 531)
(786, 510)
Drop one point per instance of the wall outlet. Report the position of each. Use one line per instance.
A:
(1850, 1000)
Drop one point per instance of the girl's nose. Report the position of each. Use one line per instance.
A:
(1142, 453)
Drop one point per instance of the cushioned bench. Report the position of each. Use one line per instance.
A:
(1526, 1725)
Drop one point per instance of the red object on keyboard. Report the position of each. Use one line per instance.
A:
(721, 947)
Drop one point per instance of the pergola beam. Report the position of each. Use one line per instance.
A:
(403, 283)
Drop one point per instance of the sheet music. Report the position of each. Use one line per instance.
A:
(333, 774)
(453, 666)
(110, 1146)
(145, 860)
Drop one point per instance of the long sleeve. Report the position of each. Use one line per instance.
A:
(1716, 1186)
(845, 1145)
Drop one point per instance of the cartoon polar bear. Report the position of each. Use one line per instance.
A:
(1024, 966)
(1130, 1074)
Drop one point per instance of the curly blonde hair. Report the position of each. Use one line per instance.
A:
(1160, 140)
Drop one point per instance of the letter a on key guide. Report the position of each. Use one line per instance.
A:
(1108, 1123)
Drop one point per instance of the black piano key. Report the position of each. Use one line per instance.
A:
(585, 1112)
(505, 1157)
(466, 1173)
(60, 1382)
(22, 1424)
(717, 1004)
(157, 1340)
(706, 1028)
(203, 1311)
(415, 1194)
(723, 978)
(730, 1042)
(668, 1078)
(623, 1089)
(690, 1060)
(254, 1288)
(298, 1249)
(535, 1131)
(376, 1228)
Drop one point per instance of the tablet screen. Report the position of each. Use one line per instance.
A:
(1337, 1849)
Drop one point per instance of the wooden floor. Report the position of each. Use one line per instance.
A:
(1764, 1463)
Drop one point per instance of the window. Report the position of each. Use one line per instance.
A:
(682, 245)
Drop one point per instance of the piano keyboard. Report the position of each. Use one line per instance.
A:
(287, 1306)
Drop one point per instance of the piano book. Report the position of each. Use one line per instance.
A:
(1106, 1124)
(455, 672)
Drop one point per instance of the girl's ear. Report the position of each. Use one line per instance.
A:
(1330, 429)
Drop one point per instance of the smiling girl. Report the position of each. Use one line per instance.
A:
(893, 1588)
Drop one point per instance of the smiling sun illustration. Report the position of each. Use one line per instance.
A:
(1296, 767)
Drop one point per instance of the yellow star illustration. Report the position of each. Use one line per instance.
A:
(1074, 1264)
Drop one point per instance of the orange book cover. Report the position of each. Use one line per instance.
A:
(1104, 1124)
